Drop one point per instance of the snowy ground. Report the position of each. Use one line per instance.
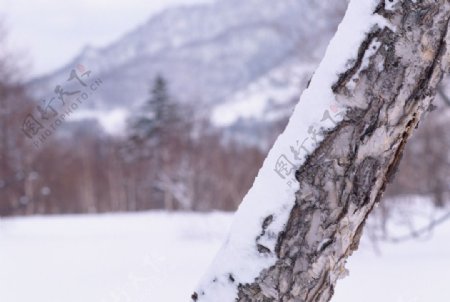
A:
(161, 257)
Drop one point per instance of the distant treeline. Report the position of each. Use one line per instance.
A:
(170, 158)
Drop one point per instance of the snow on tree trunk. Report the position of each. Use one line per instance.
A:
(291, 237)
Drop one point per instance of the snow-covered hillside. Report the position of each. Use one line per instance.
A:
(209, 52)
(161, 257)
(267, 98)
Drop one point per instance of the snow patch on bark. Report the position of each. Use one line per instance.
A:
(371, 51)
(264, 212)
(390, 4)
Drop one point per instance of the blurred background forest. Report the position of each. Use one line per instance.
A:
(178, 114)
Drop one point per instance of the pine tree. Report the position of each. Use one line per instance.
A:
(154, 136)
(149, 126)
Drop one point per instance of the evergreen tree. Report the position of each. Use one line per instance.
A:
(152, 126)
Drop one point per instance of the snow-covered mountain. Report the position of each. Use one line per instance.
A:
(211, 54)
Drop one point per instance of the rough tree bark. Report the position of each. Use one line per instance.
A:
(345, 177)
(360, 156)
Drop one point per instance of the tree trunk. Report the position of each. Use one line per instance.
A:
(387, 88)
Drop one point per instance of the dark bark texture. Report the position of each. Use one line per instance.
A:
(345, 177)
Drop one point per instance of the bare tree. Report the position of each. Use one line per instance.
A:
(387, 87)
(15, 180)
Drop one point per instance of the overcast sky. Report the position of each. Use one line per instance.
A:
(51, 32)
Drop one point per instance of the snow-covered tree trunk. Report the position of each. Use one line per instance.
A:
(291, 237)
